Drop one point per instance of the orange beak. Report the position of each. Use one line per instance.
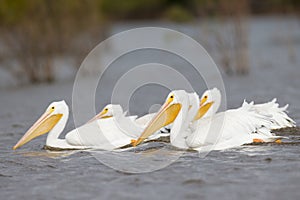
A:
(203, 109)
(101, 115)
(43, 125)
(165, 116)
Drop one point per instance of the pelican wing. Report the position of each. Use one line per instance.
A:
(229, 129)
(107, 134)
(144, 120)
(280, 119)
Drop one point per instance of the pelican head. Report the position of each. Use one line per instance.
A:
(210, 95)
(45, 123)
(108, 111)
(209, 98)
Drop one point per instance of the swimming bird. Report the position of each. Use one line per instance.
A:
(111, 130)
(279, 116)
(223, 130)
(112, 110)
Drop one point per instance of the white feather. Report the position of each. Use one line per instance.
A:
(229, 129)
(280, 119)
(107, 134)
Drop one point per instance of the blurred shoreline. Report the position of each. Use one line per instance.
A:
(263, 33)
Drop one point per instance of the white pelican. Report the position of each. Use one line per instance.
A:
(224, 130)
(106, 133)
(111, 110)
(280, 119)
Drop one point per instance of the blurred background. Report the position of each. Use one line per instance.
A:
(44, 40)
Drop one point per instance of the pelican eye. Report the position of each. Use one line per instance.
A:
(52, 109)
(205, 97)
(170, 99)
(106, 109)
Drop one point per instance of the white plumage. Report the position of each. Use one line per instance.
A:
(107, 133)
(280, 119)
(111, 129)
(231, 128)
(228, 129)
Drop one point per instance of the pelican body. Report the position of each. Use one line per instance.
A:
(195, 128)
(109, 130)
(279, 117)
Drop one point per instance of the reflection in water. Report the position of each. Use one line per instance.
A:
(47, 153)
(146, 158)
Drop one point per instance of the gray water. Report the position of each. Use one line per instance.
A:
(249, 172)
